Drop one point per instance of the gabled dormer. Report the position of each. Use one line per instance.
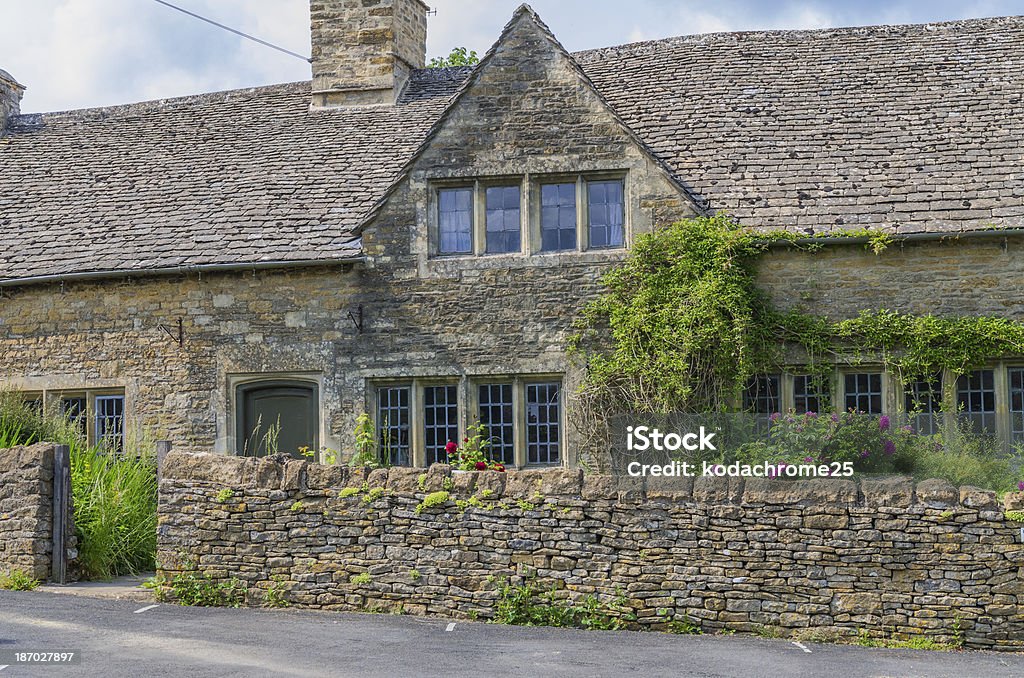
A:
(529, 164)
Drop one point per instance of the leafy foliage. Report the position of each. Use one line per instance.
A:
(367, 452)
(200, 589)
(525, 605)
(459, 56)
(18, 580)
(115, 496)
(682, 326)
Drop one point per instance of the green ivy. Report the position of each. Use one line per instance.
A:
(682, 326)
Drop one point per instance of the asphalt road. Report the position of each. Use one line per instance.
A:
(169, 640)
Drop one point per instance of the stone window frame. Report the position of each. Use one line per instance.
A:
(469, 407)
(530, 212)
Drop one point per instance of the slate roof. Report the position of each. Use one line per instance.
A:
(908, 128)
(238, 177)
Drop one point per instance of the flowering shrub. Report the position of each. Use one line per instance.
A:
(871, 443)
(472, 454)
(878, 445)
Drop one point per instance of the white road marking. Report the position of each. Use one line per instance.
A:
(801, 646)
(143, 609)
(451, 627)
(4, 667)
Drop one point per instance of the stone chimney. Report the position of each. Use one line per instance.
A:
(10, 98)
(364, 50)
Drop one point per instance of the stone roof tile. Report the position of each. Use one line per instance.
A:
(907, 128)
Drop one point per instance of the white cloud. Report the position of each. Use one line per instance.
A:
(77, 53)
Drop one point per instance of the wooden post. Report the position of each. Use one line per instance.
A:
(163, 448)
(61, 509)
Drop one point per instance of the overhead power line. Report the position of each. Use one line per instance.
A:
(236, 32)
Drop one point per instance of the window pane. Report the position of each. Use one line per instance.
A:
(455, 220)
(1016, 379)
(441, 421)
(558, 217)
(393, 424)
(923, 403)
(863, 392)
(503, 219)
(542, 423)
(110, 422)
(761, 398)
(976, 400)
(74, 410)
(810, 393)
(606, 210)
(496, 414)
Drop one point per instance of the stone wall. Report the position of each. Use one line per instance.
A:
(26, 511)
(884, 556)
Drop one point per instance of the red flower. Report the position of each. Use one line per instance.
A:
(500, 468)
(481, 466)
(450, 447)
(465, 440)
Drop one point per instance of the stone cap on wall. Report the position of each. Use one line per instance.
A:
(39, 455)
(283, 473)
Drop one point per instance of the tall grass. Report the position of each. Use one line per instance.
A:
(114, 496)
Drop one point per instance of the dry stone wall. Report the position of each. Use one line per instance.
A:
(26, 510)
(882, 556)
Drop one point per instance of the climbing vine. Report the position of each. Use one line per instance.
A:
(682, 326)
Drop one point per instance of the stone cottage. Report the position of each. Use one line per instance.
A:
(414, 243)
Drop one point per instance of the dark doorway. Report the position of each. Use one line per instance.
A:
(277, 417)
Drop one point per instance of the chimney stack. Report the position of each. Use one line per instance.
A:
(10, 98)
(364, 50)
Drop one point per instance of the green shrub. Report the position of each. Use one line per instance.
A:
(200, 589)
(18, 580)
(526, 606)
(114, 496)
(360, 579)
(275, 594)
(115, 512)
(225, 495)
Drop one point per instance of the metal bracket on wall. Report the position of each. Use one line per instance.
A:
(357, 318)
(178, 336)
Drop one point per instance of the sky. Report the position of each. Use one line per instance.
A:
(87, 53)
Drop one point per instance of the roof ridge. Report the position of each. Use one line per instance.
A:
(150, 105)
(802, 33)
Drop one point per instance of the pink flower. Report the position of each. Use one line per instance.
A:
(809, 459)
(500, 468)
(865, 454)
(775, 417)
(890, 447)
(481, 466)
(883, 423)
(1020, 486)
